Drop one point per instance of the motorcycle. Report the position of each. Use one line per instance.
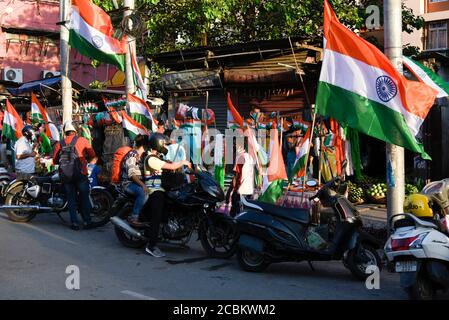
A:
(26, 198)
(418, 248)
(5, 180)
(270, 233)
(189, 207)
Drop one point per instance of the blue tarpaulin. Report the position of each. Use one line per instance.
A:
(34, 85)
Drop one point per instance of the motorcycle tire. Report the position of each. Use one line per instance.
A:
(12, 199)
(358, 267)
(127, 240)
(422, 289)
(222, 230)
(251, 261)
(103, 202)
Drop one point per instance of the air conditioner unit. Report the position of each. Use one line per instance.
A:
(49, 74)
(11, 74)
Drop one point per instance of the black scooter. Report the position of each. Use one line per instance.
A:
(270, 233)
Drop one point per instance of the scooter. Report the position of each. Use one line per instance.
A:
(270, 233)
(419, 252)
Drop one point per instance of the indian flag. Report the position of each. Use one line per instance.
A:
(40, 115)
(235, 120)
(139, 111)
(427, 76)
(12, 123)
(91, 33)
(132, 127)
(360, 88)
(276, 172)
(138, 79)
(299, 167)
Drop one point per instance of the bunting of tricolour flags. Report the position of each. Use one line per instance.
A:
(91, 34)
(360, 88)
(12, 123)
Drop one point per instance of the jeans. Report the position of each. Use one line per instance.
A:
(141, 198)
(81, 187)
(154, 210)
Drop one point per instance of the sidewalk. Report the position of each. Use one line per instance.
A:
(373, 215)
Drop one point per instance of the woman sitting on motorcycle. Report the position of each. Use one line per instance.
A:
(153, 167)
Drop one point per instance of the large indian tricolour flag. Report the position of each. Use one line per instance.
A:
(91, 33)
(360, 88)
(12, 123)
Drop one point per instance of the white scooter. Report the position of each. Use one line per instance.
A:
(419, 252)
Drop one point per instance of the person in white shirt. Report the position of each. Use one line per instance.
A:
(25, 150)
(176, 151)
(243, 181)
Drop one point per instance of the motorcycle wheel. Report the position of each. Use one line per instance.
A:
(356, 263)
(13, 198)
(123, 237)
(220, 243)
(102, 204)
(422, 289)
(251, 261)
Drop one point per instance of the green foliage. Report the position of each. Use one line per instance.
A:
(179, 24)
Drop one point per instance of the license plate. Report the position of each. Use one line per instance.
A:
(406, 266)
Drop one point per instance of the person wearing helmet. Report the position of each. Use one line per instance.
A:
(80, 182)
(153, 167)
(419, 205)
(26, 151)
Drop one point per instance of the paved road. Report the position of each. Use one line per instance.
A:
(34, 257)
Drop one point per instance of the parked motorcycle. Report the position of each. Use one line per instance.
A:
(190, 207)
(418, 248)
(5, 180)
(271, 233)
(26, 198)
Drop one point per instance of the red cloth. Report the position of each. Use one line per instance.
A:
(83, 148)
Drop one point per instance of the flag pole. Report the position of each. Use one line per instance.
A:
(394, 154)
(129, 77)
(66, 84)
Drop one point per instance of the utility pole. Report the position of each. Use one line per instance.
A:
(129, 5)
(394, 154)
(66, 84)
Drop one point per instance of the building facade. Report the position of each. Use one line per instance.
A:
(29, 44)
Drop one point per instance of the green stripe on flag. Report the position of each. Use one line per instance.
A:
(9, 132)
(367, 116)
(88, 50)
(143, 120)
(273, 192)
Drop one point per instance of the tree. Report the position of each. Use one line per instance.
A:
(179, 24)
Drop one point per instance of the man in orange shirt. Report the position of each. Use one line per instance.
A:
(79, 183)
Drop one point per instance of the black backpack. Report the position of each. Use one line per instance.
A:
(69, 162)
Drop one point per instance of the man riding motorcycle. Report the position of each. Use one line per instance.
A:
(153, 167)
(132, 177)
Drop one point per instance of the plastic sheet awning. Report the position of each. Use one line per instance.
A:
(37, 85)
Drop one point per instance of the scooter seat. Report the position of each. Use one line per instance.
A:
(299, 215)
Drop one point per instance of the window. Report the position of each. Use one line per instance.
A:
(433, 1)
(437, 37)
